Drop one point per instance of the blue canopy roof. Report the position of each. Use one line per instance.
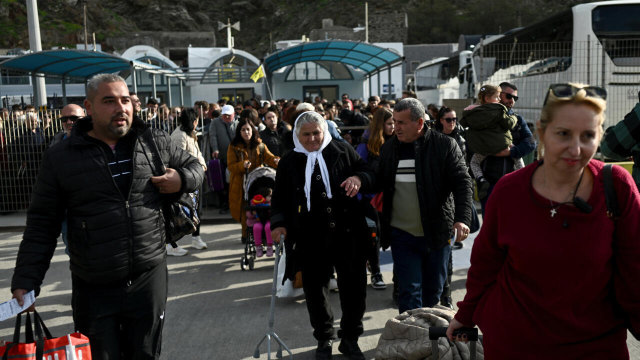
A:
(357, 54)
(71, 63)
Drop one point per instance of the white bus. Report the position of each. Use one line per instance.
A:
(438, 79)
(596, 43)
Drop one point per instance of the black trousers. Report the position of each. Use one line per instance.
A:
(123, 320)
(352, 283)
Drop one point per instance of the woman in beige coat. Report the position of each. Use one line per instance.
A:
(185, 138)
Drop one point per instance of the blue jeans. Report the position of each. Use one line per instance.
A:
(64, 236)
(420, 274)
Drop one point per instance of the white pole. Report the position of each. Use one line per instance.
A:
(366, 22)
(229, 44)
(40, 91)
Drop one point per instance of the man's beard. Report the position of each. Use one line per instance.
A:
(119, 131)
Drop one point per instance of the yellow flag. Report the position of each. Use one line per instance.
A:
(258, 74)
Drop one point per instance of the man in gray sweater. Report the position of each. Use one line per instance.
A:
(221, 132)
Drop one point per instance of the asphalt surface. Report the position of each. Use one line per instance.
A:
(217, 311)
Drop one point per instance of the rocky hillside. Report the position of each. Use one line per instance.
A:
(430, 21)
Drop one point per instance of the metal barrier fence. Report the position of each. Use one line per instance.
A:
(26, 134)
(609, 63)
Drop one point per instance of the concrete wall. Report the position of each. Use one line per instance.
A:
(397, 77)
(294, 89)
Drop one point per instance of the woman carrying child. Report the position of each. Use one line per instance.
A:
(488, 133)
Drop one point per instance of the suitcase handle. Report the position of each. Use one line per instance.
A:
(438, 332)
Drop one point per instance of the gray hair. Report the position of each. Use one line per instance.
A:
(414, 105)
(311, 117)
(94, 82)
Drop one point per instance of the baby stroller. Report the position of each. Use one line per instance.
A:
(259, 178)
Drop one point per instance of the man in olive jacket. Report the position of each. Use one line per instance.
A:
(103, 178)
(426, 195)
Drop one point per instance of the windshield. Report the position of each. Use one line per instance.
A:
(618, 30)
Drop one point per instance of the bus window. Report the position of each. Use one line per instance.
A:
(617, 28)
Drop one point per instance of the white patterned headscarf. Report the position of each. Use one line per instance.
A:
(313, 156)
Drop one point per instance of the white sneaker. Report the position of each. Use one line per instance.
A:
(197, 243)
(176, 251)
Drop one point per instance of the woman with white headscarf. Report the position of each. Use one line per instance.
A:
(315, 207)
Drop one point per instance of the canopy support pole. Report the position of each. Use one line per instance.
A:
(153, 86)
(181, 94)
(86, 91)
(134, 79)
(389, 81)
(169, 91)
(369, 81)
(64, 91)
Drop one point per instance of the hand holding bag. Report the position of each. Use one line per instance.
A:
(181, 217)
(44, 345)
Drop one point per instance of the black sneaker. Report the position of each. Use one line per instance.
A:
(377, 282)
(351, 349)
(458, 245)
(483, 187)
(324, 350)
(446, 302)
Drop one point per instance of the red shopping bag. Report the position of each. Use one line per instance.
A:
(376, 202)
(44, 345)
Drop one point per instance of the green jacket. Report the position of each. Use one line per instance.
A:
(489, 128)
(623, 141)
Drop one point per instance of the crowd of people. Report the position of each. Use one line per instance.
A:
(340, 166)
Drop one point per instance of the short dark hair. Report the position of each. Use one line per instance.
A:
(250, 114)
(247, 103)
(432, 107)
(186, 119)
(222, 102)
(132, 93)
(384, 102)
(343, 95)
(509, 85)
(372, 98)
(238, 140)
(152, 101)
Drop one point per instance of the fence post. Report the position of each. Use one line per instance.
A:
(588, 59)
(481, 61)
(604, 65)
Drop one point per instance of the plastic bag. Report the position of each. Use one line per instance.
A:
(287, 290)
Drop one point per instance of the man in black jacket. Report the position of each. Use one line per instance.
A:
(103, 178)
(426, 196)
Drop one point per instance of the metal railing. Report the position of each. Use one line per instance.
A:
(613, 64)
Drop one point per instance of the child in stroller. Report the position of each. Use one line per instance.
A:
(258, 220)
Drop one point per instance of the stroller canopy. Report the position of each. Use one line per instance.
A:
(260, 177)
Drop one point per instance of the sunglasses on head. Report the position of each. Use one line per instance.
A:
(567, 91)
(450, 120)
(71, 118)
(509, 97)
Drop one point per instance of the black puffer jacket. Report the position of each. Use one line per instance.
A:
(444, 187)
(111, 237)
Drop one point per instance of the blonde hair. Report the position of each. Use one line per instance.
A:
(487, 90)
(599, 105)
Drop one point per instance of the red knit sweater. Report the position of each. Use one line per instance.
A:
(539, 290)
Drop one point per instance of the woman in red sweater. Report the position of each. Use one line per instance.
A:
(544, 279)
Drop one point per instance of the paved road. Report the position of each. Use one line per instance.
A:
(215, 310)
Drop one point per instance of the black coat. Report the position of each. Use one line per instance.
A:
(289, 204)
(275, 140)
(444, 187)
(111, 237)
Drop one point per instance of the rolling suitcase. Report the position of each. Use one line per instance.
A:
(436, 333)
(215, 175)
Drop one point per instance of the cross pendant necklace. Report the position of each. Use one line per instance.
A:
(553, 211)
